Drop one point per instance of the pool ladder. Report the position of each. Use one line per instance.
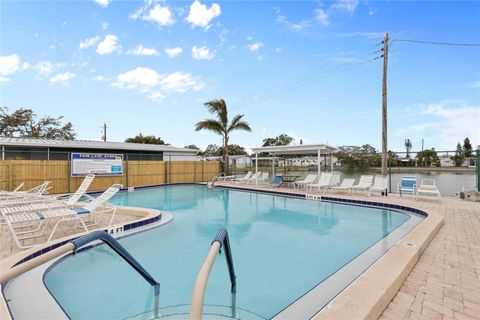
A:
(196, 307)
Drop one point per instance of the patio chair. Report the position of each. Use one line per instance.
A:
(364, 184)
(346, 185)
(35, 191)
(323, 182)
(309, 179)
(245, 178)
(263, 178)
(428, 187)
(93, 208)
(407, 185)
(380, 184)
(17, 189)
(277, 181)
(335, 180)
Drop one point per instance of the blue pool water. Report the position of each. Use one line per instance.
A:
(282, 247)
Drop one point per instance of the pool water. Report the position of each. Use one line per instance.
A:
(281, 246)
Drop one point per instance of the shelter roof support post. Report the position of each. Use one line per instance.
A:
(331, 162)
(273, 167)
(318, 162)
(256, 168)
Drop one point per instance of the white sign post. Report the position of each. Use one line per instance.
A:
(99, 164)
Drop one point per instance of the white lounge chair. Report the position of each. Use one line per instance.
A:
(364, 184)
(263, 178)
(335, 180)
(245, 178)
(309, 179)
(34, 192)
(380, 184)
(254, 177)
(43, 203)
(17, 189)
(323, 182)
(92, 208)
(346, 185)
(428, 187)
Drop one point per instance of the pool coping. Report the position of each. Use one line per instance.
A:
(381, 280)
(151, 218)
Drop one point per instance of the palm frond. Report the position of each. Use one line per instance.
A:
(238, 124)
(210, 125)
(219, 108)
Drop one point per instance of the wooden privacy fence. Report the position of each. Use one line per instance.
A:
(136, 173)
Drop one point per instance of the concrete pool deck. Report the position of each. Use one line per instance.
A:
(443, 284)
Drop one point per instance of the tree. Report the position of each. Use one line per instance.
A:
(23, 123)
(192, 146)
(211, 151)
(459, 156)
(221, 125)
(281, 140)
(408, 146)
(467, 148)
(234, 150)
(362, 157)
(145, 139)
(428, 157)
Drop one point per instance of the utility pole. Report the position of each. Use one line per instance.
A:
(384, 105)
(104, 137)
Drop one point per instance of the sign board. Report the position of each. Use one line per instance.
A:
(100, 164)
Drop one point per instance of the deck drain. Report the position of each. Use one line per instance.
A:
(409, 244)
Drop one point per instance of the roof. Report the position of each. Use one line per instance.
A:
(297, 149)
(88, 144)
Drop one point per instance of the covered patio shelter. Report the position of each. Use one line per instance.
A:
(302, 149)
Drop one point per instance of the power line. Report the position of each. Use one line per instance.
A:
(438, 43)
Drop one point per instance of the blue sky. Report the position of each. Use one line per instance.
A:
(304, 68)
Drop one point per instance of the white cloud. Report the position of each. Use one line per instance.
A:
(161, 15)
(44, 68)
(104, 25)
(475, 85)
(4, 80)
(99, 78)
(322, 17)
(25, 66)
(299, 26)
(202, 53)
(108, 45)
(139, 78)
(255, 46)
(62, 78)
(200, 16)
(9, 64)
(140, 50)
(156, 85)
(181, 82)
(89, 42)
(103, 3)
(346, 5)
(173, 52)
(450, 123)
(278, 50)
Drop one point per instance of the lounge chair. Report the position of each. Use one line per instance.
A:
(335, 180)
(309, 179)
(364, 184)
(263, 178)
(34, 192)
(323, 182)
(254, 177)
(17, 189)
(380, 184)
(346, 185)
(43, 203)
(245, 178)
(428, 187)
(408, 185)
(277, 181)
(92, 208)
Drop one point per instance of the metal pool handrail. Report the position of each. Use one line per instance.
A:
(196, 308)
(73, 246)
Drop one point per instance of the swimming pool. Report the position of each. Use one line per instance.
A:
(282, 247)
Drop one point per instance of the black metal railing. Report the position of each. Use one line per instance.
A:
(222, 238)
(122, 252)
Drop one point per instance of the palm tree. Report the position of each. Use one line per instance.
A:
(221, 125)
